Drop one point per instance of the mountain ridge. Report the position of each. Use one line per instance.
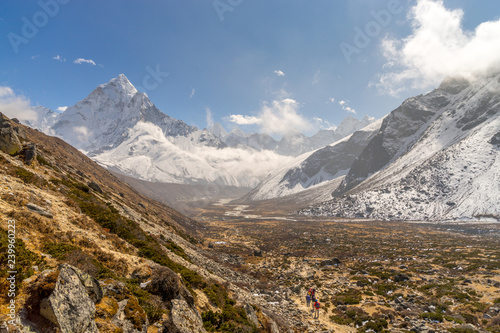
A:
(434, 158)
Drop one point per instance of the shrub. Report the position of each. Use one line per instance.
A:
(432, 316)
(59, 250)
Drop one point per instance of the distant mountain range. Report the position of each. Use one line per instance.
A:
(293, 143)
(120, 128)
(436, 157)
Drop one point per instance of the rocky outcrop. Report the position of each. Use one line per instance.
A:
(119, 309)
(30, 152)
(70, 306)
(95, 187)
(183, 319)
(9, 141)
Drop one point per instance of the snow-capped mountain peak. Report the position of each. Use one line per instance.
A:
(118, 88)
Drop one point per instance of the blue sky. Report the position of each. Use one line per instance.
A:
(240, 58)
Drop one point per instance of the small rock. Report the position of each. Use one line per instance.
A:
(95, 187)
(39, 210)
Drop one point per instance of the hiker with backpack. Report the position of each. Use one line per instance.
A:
(316, 307)
(308, 300)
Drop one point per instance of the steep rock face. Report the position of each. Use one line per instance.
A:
(399, 131)
(441, 163)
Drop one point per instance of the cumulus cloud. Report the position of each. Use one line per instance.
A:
(279, 73)
(342, 102)
(244, 120)
(438, 47)
(277, 117)
(59, 58)
(80, 61)
(331, 99)
(61, 108)
(14, 106)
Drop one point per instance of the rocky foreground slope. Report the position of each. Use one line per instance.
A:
(89, 254)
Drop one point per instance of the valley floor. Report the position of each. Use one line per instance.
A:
(368, 275)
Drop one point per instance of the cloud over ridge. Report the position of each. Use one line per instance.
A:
(438, 47)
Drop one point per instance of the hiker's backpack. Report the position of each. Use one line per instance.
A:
(316, 305)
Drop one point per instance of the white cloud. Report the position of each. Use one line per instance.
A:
(14, 106)
(331, 99)
(61, 108)
(350, 110)
(84, 61)
(210, 120)
(59, 58)
(244, 120)
(278, 117)
(35, 57)
(6, 92)
(279, 73)
(82, 133)
(438, 47)
(192, 93)
(344, 106)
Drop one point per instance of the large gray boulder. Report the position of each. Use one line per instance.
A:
(70, 306)
(183, 319)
